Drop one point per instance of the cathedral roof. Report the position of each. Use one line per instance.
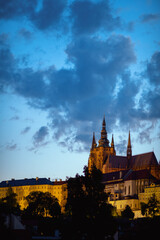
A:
(143, 160)
(29, 181)
(117, 161)
(114, 176)
(125, 175)
(140, 174)
(136, 162)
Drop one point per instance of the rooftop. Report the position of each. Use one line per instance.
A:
(30, 181)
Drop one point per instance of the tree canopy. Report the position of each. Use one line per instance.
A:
(87, 206)
(9, 203)
(42, 204)
(152, 208)
(127, 212)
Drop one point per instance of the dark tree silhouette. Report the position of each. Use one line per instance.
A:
(127, 213)
(87, 208)
(151, 208)
(42, 204)
(9, 204)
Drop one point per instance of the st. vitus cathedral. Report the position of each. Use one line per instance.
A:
(103, 156)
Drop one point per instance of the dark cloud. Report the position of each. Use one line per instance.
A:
(153, 69)
(26, 82)
(49, 14)
(99, 82)
(124, 102)
(25, 130)
(40, 136)
(145, 18)
(150, 100)
(43, 14)
(145, 135)
(8, 65)
(25, 33)
(15, 8)
(4, 39)
(88, 16)
(78, 97)
(121, 148)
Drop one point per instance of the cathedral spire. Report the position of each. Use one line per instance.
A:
(129, 140)
(104, 123)
(94, 144)
(129, 147)
(113, 152)
(103, 140)
(112, 143)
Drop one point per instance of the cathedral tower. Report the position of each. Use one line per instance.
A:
(103, 142)
(99, 154)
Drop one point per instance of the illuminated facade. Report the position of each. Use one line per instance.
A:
(126, 178)
(125, 187)
(148, 193)
(24, 187)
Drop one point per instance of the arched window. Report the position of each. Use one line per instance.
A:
(129, 190)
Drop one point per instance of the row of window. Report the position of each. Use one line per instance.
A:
(131, 205)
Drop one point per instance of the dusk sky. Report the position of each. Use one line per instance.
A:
(63, 65)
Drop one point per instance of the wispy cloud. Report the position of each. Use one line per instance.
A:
(145, 18)
(14, 118)
(11, 146)
(40, 136)
(25, 130)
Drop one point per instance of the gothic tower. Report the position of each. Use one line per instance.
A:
(103, 142)
(99, 154)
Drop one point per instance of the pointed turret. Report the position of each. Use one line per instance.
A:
(129, 140)
(104, 141)
(94, 144)
(129, 147)
(112, 143)
(113, 152)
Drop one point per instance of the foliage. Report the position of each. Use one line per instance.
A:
(42, 204)
(127, 213)
(151, 208)
(9, 204)
(87, 208)
(144, 207)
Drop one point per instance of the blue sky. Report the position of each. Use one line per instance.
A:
(63, 65)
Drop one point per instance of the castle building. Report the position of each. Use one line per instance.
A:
(148, 193)
(125, 177)
(23, 187)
